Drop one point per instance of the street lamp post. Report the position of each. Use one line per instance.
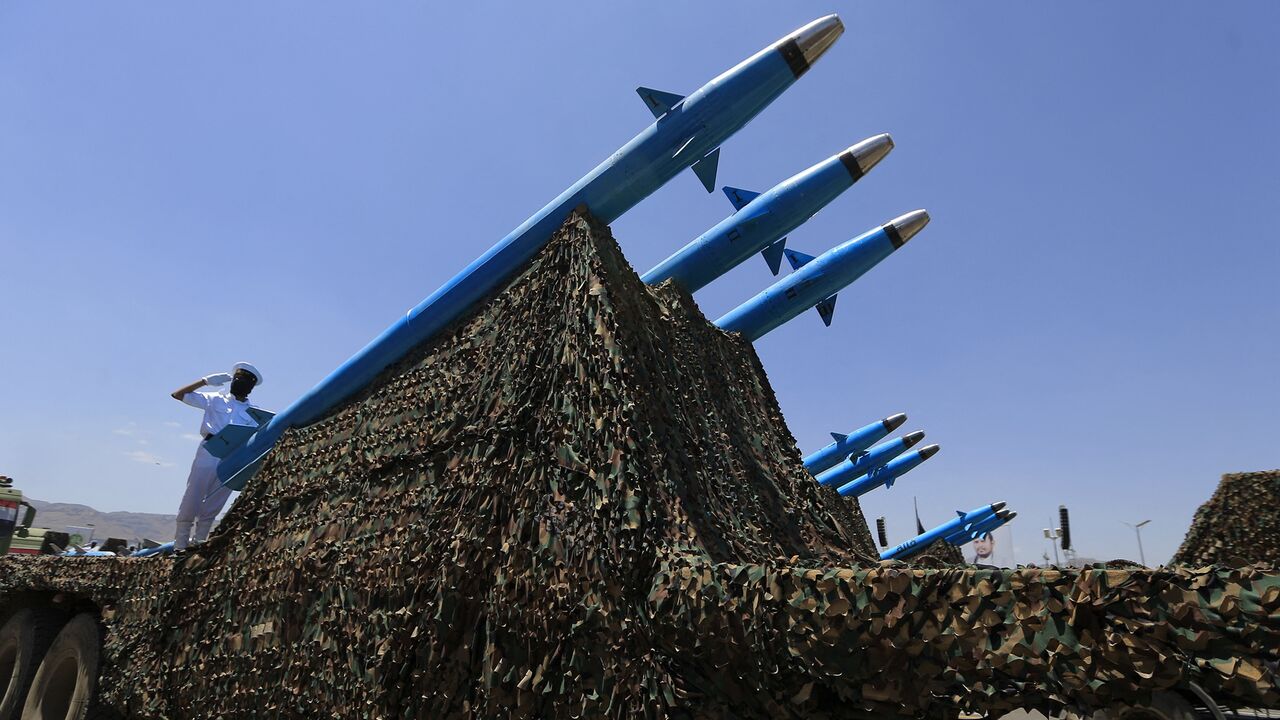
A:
(1052, 534)
(1137, 530)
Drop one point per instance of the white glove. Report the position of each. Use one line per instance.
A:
(217, 379)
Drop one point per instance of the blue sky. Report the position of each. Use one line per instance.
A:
(1090, 319)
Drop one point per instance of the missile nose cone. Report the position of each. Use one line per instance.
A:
(903, 228)
(1006, 515)
(929, 451)
(814, 39)
(871, 151)
(913, 438)
(998, 506)
(893, 422)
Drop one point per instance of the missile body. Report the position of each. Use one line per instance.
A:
(960, 523)
(688, 132)
(816, 281)
(763, 220)
(867, 461)
(887, 474)
(851, 444)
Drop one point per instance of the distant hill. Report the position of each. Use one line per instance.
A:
(127, 525)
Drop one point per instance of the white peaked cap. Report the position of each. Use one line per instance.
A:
(250, 368)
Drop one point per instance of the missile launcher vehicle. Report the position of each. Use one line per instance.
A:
(554, 491)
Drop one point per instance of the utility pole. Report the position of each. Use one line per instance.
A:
(1137, 530)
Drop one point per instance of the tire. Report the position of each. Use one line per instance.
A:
(24, 637)
(64, 685)
(1164, 706)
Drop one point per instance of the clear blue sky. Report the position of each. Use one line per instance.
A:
(1091, 318)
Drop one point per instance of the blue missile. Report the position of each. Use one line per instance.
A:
(851, 444)
(887, 474)
(816, 281)
(975, 524)
(762, 220)
(157, 550)
(980, 528)
(687, 133)
(920, 542)
(867, 461)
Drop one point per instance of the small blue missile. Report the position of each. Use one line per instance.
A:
(865, 462)
(976, 525)
(851, 444)
(763, 220)
(157, 550)
(887, 474)
(816, 281)
(686, 133)
(980, 528)
(921, 542)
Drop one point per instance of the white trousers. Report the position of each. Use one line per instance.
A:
(203, 499)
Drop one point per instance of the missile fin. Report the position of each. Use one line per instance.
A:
(839, 437)
(740, 197)
(772, 254)
(889, 483)
(658, 102)
(797, 258)
(705, 169)
(826, 309)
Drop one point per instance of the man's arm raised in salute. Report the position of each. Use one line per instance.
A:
(214, 379)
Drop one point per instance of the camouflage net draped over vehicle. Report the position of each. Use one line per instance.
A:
(583, 502)
(940, 554)
(1239, 525)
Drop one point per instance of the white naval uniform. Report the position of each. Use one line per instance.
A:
(205, 495)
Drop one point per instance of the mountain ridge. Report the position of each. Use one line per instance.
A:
(119, 524)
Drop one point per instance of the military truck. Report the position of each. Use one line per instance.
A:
(18, 537)
(624, 529)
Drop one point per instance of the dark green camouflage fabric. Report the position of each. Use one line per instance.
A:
(1239, 525)
(583, 502)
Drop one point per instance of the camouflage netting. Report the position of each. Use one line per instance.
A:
(1239, 525)
(583, 502)
(939, 554)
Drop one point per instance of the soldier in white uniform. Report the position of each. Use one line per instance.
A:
(205, 495)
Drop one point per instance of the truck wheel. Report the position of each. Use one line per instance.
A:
(1164, 706)
(23, 641)
(64, 684)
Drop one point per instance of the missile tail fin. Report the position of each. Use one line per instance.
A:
(739, 197)
(797, 258)
(839, 437)
(826, 309)
(705, 169)
(658, 102)
(772, 254)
